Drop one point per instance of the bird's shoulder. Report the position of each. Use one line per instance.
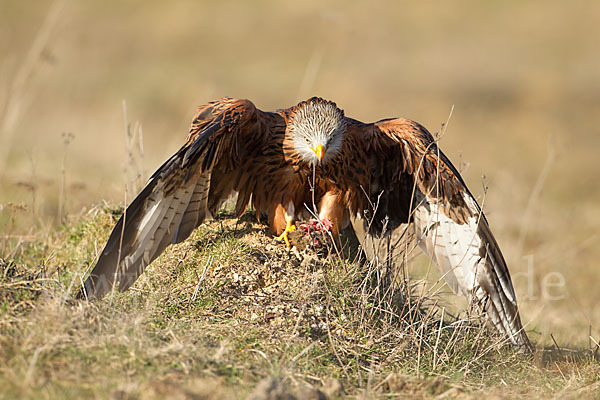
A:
(389, 131)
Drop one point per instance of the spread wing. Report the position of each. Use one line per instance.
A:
(188, 188)
(411, 181)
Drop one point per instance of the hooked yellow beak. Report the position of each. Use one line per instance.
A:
(319, 151)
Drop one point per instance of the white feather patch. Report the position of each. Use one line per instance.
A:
(149, 217)
(454, 247)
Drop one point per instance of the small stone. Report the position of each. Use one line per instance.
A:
(296, 253)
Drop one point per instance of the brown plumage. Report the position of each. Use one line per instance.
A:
(378, 176)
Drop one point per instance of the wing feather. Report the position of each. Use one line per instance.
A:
(195, 211)
(419, 185)
(181, 194)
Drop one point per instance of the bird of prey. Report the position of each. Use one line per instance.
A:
(377, 176)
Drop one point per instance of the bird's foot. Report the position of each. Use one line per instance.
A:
(290, 227)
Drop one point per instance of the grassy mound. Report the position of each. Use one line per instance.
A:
(229, 313)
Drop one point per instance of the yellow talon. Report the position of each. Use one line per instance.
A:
(290, 227)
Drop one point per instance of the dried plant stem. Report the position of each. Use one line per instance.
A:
(534, 198)
(16, 100)
(62, 198)
(133, 171)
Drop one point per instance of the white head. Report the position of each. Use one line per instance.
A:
(317, 127)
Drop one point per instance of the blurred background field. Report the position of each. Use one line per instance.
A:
(523, 78)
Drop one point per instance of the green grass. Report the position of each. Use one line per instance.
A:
(228, 311)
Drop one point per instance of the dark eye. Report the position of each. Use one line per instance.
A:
(306, 140)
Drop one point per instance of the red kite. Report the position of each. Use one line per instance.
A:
(389, 172)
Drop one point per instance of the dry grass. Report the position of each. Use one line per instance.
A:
(229, 312)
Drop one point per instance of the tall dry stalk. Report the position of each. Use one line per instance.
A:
(16, 100)
(534, 198)
(135, 175)
(62, 198)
